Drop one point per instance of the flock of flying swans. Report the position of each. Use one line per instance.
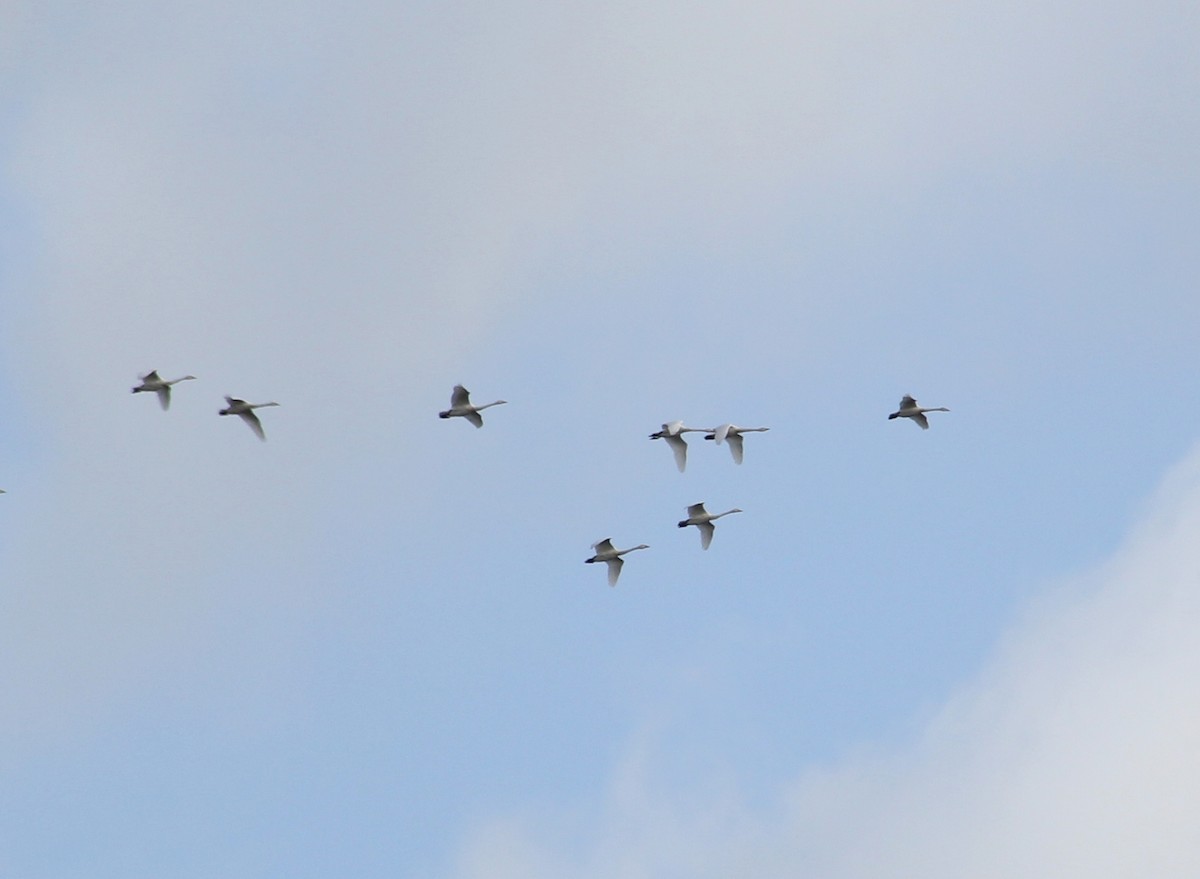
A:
(461, 407)
(152, 382)
(673, 432)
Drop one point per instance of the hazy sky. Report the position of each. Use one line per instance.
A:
(369, 646)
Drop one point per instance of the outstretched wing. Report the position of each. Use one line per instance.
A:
(696, 510)
(460, 396)
(920, 418)
(706, 534)
(678, 448)
(907, 402)
(255, 425)
(164, 397)
(614, 570)
(735, 447)
(474, 417)
(603, 546)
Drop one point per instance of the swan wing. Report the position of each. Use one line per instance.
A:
(696, 510)
(255, 425)
(474, 417)
(920, 418)
(706, 534)
(603, 546)
(679, 448)
(164, 397)
(735, 447)
(614, 570)
(721, 433)
(460, 396)
(907, 402)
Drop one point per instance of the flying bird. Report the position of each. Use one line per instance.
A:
(245, 411)
(611, 556)
(151, 381)
(460, 406)
(703, 520)
(673, 432)
(733, 434)
(910, 409)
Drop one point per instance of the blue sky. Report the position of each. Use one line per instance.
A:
(369, 645)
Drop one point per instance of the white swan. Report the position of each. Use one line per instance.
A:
(733, 433)
(611, 556)
(703, 520)
(151, 381)
(673, 432)
(460, 406)
(245, 411)
(910, 409)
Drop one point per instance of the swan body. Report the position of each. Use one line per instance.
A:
(611, 556)
(703, 520)
(910, 409)
(151, 381)
(245, 411)
(673, 432)
(460, 406)
(733, 434)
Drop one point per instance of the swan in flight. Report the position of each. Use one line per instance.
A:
(245, 411)
(673, 432)
(910, 409)
(460, 406)
(152, 382)
(611, 556)
(733, 434)
(703, 520)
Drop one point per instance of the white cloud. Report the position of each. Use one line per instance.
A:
(1073, 755)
